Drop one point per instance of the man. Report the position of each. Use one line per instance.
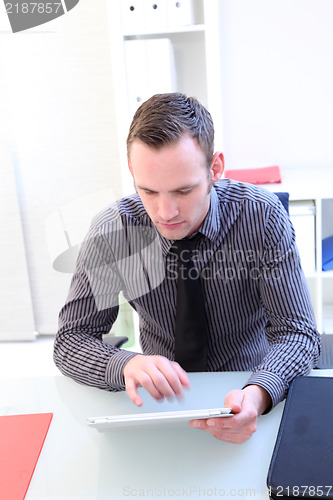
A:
(257, 307)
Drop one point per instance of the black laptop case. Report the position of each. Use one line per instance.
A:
(302, 460)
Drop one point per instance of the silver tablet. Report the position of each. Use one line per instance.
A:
(158, 419)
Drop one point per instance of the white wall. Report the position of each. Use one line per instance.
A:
(277, 82)
(57, 86)
(15, 297)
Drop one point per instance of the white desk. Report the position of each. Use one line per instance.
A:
(79, 463)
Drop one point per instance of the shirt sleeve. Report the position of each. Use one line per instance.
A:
(89, 313)
(294, 342)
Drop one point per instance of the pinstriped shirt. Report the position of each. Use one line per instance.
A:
(258, 307)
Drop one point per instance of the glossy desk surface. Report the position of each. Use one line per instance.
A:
(77, 462)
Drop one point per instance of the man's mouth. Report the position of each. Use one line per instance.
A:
(170, 225)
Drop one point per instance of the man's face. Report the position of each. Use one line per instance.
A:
(174, 185)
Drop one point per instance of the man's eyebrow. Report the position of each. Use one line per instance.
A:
(182, 188)
(144, 188)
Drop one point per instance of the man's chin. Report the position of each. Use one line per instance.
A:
(172, 233)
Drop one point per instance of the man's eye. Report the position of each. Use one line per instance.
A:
(187, 191)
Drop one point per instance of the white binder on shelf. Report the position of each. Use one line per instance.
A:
(161, 73)
(133, 15)
(150, 70)
(136, 73)
(155, 14)
(180, 13)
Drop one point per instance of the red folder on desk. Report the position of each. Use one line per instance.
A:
(21, 441)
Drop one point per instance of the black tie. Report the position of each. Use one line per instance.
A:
(191, 323)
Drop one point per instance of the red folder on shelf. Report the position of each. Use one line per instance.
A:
(21, 441)
(264, 175)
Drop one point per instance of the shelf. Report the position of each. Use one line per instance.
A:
(327, 274)
(312, 187)
(312, 276)
(194, 28)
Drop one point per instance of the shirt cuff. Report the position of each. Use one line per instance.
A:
(273, 384)
(115, 368)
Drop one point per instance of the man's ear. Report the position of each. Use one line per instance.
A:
(217, 166)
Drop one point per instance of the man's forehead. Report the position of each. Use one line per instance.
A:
(156, 147)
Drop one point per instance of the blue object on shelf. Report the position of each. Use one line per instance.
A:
(327, 253)
(284, 198)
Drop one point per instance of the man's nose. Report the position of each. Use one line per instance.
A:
(167, 209)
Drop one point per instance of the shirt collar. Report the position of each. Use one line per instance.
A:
(212, 223)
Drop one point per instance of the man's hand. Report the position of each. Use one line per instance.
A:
(159, 376)
(247, 404)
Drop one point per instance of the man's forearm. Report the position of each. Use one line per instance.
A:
(88, 360)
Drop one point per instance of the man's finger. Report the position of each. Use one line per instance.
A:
(157, 375)
(234, 400)
(132, 392)
(170, 378)
(183, 377)
(154, 382)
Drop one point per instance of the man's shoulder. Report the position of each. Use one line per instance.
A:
(230, 191)
(129, 208)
